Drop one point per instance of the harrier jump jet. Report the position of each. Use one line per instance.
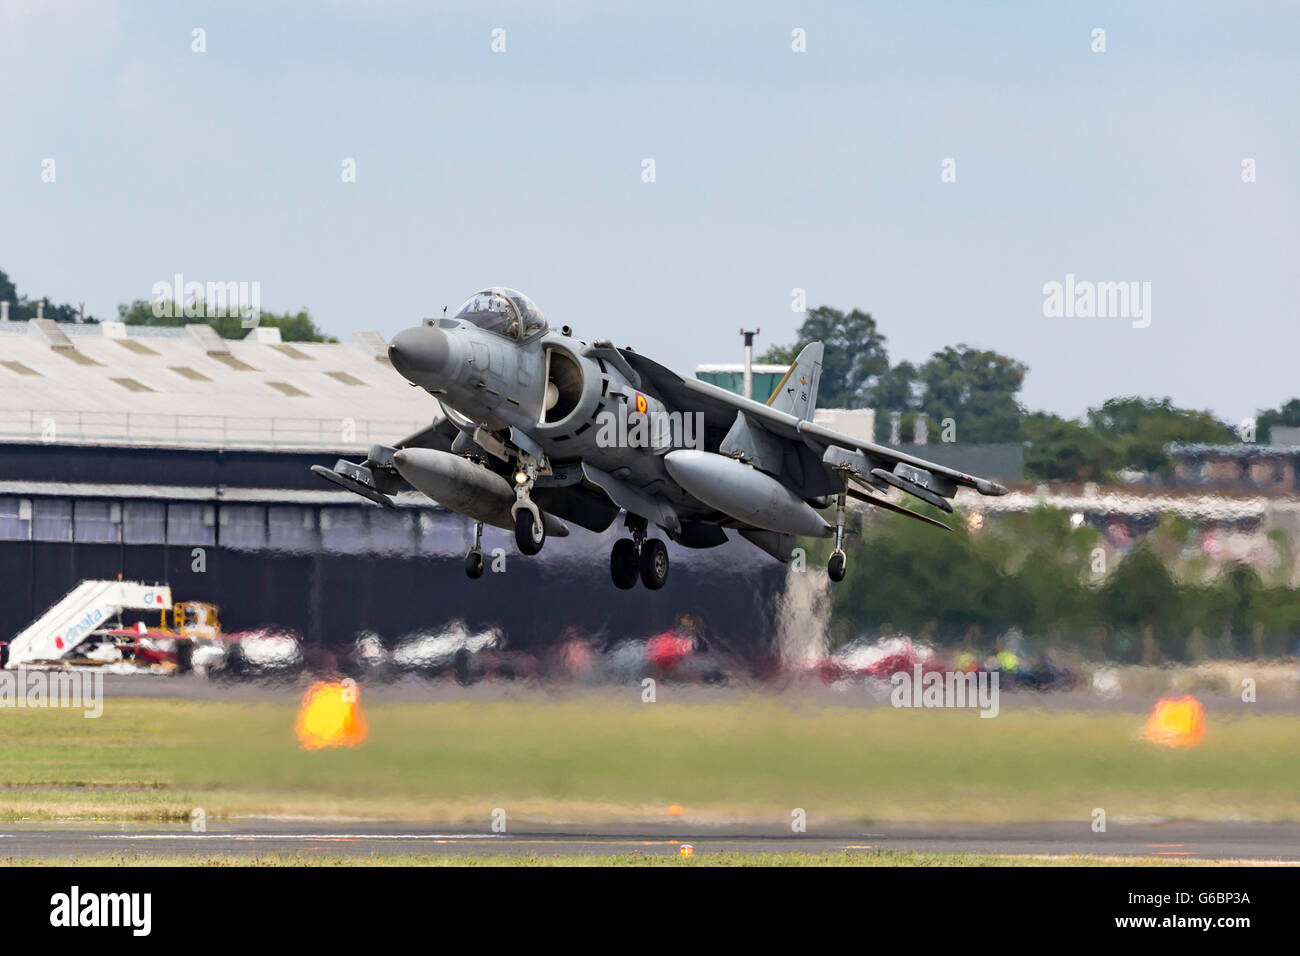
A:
(542, 430)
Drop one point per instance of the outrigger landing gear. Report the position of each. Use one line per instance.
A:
(474, 560)
(835, 567)
(638, 557)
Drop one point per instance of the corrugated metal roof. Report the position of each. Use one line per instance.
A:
(79, 357)
(190, 373)
(345, 377)
(132, 385)
(202, 393)
(290, 351)
(139, 348)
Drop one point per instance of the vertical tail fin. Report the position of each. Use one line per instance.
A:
(797, 393)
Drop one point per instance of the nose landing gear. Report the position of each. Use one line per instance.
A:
(530, 530)
(530, 533)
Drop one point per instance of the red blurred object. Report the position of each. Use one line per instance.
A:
(669, 649)
(880, 660)
(143, 644)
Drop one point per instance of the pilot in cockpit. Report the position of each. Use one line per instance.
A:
(505, 312)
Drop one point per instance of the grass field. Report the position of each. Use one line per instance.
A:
(595, 759)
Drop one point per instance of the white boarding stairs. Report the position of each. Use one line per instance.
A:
(83, 610)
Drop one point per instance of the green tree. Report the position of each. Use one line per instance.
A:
(1046, 562)
(1141, 596)
(1033, 571)
(896, 390)
(1138, 429)
(22, 308)
(977, 389)
(908, 574)
(294, 327)
(1277, 609)
(1241, 589)
(1288, 415)
(1062, 448)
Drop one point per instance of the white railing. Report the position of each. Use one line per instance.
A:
(224, 431)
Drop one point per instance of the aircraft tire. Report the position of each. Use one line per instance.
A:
(529, 535)
(474, 564)
(835, 567)
(623, 564)
(654, 564)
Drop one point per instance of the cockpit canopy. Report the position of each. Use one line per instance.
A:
(503, 311)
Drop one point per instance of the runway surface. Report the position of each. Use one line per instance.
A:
(1178, 840)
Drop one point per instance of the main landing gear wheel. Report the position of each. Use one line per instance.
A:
(654, 564)
(529, 534)
(474, 564)
(623, 564)
(835, 566)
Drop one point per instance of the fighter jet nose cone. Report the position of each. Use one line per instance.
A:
(419, 351)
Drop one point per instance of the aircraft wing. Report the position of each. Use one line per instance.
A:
(720, 406)
(375, 479)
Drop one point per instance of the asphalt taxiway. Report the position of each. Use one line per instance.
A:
(1272, 842)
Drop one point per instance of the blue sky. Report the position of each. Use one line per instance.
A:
(774, 171)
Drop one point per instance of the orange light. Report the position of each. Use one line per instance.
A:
(331, 716)
(641, 404)
(1176, 722)
(675, 810)
(686, 850)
